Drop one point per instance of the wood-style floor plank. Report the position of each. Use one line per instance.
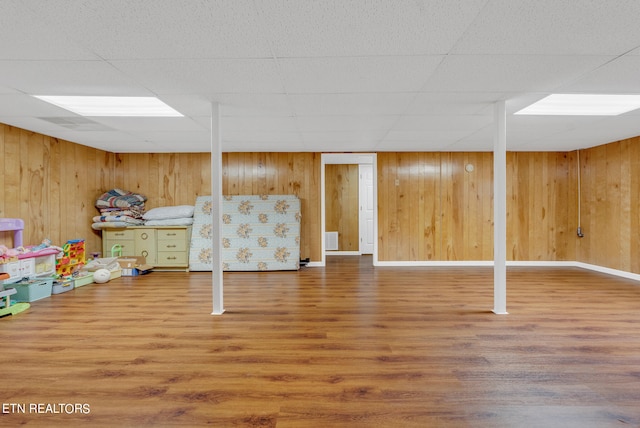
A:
(346, 345)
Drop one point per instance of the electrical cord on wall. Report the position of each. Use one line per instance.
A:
(579, 231)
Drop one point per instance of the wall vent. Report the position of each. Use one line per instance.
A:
(331, 241)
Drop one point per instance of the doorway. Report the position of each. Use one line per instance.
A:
(361, 230)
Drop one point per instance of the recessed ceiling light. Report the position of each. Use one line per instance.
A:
(583, 105)
(112, 106)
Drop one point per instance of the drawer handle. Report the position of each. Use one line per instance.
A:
(171, 258)
(119, 233)
(144, 236)
(171, 234)
(171, 246)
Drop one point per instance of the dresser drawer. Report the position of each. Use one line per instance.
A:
(169, 258)
(176, 245)
(128, 247)
(119, 234)
(172, 234)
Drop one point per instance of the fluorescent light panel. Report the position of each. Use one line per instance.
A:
(112, 106)
(583, 105)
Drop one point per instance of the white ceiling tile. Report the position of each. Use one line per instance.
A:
(250, 136)
(254, 104)
(252, 146)
(506, 73)
(15, 104)
(338, 146)
(345, 123)
(160, 124)
(428, 137)
(459, 123)
(375, 27)
(122, 29)
(29, 37)
(205, 77)
(327, 75)
(357, 74)
(68, 78)
(319, 138)
(558, 27)
(421, 145)
(454, 103)
(621, 75)
(351, 104)
(258, 123)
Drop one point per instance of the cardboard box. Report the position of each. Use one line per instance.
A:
(134, 266)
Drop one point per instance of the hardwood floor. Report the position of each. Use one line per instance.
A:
(346, 345)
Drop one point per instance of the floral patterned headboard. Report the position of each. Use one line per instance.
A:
(258, 233)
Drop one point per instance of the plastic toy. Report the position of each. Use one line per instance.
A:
(101, 276)
(8, 308)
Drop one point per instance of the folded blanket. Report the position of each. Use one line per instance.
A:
(185, 221)
(119, 198)
(135, 211)
(109, 224)
(117, 218)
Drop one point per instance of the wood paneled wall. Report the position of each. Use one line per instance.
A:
(178, 178)
(431, 208)
(280, 174)
(542, 206)
(610, 205)
(341, 204)
(52, 185)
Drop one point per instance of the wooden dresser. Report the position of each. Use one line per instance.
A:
(164, 247)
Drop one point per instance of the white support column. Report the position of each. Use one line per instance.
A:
(216, 210)
(500, 210)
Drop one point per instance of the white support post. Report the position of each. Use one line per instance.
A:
(216, 210)
(500, 210)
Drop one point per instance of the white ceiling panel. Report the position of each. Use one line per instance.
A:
(356, 28)
(257, 123)
(345, 123)
(428, 137)
(267, 146)
(155, 29)
(556, 27)
(205, 77)
(454, 103)
(127, 124)
(439, 123)
(29, 37)
(68, 78)
(327, 75)
(330, 104)
(357, 74)
(263, 137)
(619, 76)
(14, 104)
(509, 73)
(357, 137)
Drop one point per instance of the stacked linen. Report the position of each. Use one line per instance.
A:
(119, 208)
(178, 215)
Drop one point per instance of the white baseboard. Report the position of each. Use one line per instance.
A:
(534, 263)
(341, 253)
(616, 272)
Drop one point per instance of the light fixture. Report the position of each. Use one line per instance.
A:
(112, 106)
(583, 105)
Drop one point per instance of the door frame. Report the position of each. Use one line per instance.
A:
(345, 159)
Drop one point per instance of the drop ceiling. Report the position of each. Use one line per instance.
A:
(326, 75)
